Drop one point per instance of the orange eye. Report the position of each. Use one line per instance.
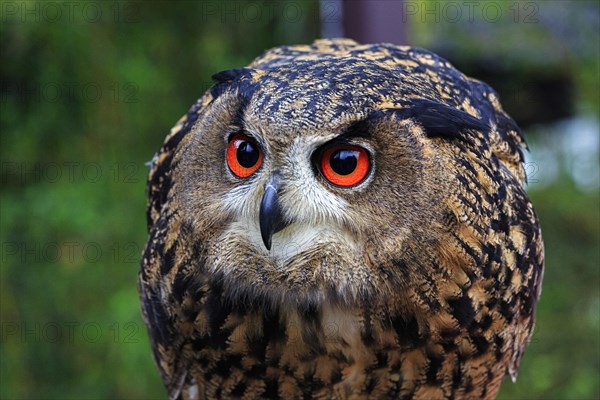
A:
(244, 156)
(345, 165)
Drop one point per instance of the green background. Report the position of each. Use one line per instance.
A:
(90, 89)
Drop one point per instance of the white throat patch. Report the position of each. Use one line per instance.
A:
(293, 240)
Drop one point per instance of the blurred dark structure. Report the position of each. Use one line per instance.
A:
(538, 95)
(531, 96)
(373, 21)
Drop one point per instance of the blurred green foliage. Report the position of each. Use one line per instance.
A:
(88, 92)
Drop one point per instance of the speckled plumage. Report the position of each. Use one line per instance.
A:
(420, 282)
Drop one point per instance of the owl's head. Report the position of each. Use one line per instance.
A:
(318, 171)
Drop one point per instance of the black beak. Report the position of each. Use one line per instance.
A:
(271, 218)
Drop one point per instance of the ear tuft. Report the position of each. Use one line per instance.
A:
(224, 79)
(440, 120)
(230, 74)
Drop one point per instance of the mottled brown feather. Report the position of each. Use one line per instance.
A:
(423, 280)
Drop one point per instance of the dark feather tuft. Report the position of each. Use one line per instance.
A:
(440, 120)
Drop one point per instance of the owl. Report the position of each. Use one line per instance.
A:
(341, 221)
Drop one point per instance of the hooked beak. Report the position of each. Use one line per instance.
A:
(271, 218)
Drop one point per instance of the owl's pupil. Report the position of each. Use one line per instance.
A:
(343, 161)
(247, 154)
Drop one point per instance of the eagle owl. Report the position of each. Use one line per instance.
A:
(341, 221)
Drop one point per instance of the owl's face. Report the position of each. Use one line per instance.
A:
(305, 193)
(341, 220)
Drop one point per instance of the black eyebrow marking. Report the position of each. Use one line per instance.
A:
(238, 81)
(225, 79)
(358, 129)
(229, 74)
(437, 119)
(440, 120)
(238, 118)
